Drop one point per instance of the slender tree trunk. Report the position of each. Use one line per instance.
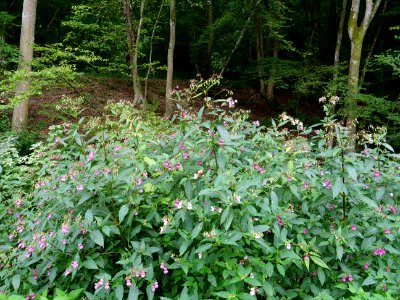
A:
(138, 94)
(357, 34)
(260, 52)
(132, 48)
(21, 110)
(371, 50)
(272, 75)
(211, 37)
(153, 32)
(239, 40)
(169, 105)
(339, 40)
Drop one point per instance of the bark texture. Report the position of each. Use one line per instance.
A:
(169, 104)
(339, 40)
(133, 40)
(21, 110)
(357, 33)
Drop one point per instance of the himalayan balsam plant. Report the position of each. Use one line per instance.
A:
(208, 206)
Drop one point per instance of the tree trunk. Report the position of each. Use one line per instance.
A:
(132, 41)
(371, 50)
(239, 40)
(153, 32)
(21, 110)
(211, 38)
(272, 74)
(339, 40)
(260, 52)
(357, 34)
(169, 105)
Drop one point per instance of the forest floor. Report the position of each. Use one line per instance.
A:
(97, 91)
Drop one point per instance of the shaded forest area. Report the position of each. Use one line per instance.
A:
(277, 55)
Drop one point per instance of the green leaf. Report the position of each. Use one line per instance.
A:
(185, 244)
(379, 193)
(15, 297)
(123, 211)
(74, 294)
(281, 269)
(133, 292)
(307, 263)
(189, 189)
(269, 269)
(369, 281)
(274, 202)
(321, 276)
(224, 295)
(149, 161)
(339, 251)
(119, 292)
(89, 216)
(16, 281)
(203, 248)
(368, 201)
(319, 261)
(368, 243)
(337, 187)
(227, 218)
(211, 278)
(90, 264)
(184, 294)
(196, 231)
(268, 288)
(223, 132)
(97, 237)
(352, 172)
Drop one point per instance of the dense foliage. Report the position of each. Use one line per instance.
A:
(205, 206)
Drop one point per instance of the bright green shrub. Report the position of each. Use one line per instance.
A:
(210, 206)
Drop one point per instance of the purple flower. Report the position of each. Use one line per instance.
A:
(327, 184)
(75, 264)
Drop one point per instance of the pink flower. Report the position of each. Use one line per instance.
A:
(350, 277)
(255, 166)
(65, 228)
(75, 264)
(79, 187)
(221, 142)
(306, 185)
(387, 230)
(91, 156)
(154, 286)
(327, 184)
(366, 266)
(376, 173)
(353, 227)
(344, 278)
(305, 230)
(128, 281)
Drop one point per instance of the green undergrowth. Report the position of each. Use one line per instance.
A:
(206, 205)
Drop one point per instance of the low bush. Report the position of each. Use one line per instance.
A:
(206, 206)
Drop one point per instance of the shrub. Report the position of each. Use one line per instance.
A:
(205, 208)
